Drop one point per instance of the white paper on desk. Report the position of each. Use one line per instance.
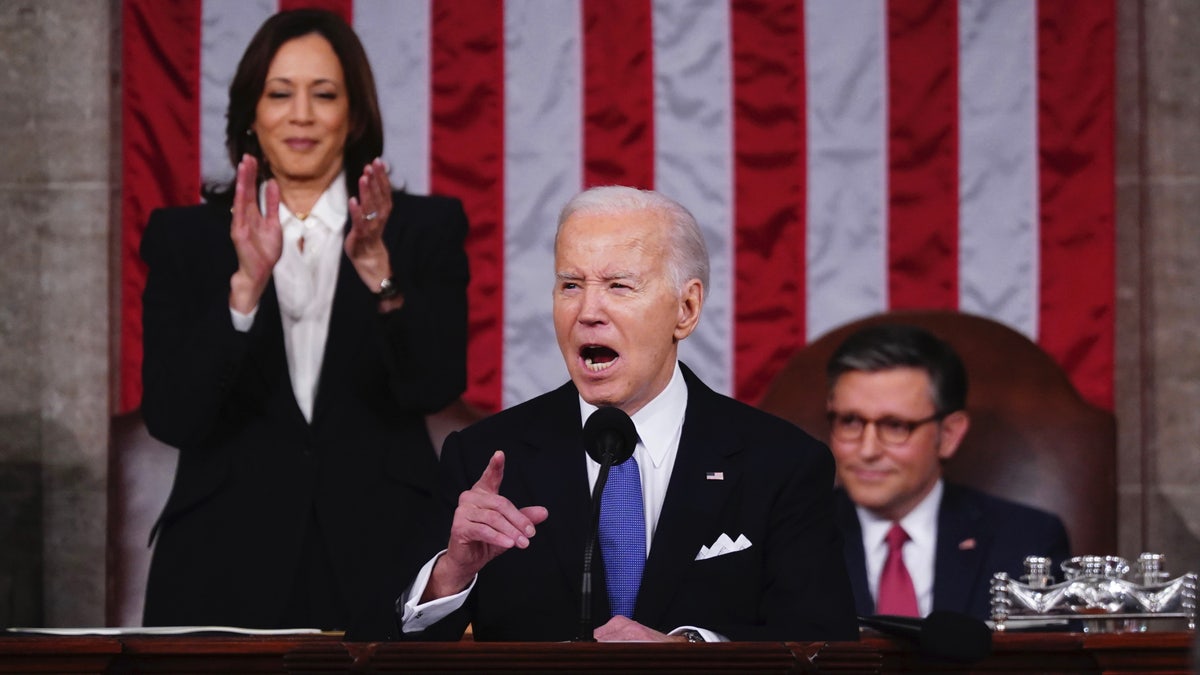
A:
(166, 630)
(1033, 624)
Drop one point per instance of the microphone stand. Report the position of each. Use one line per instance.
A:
(586, 629)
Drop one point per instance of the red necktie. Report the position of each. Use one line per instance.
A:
(896, 593)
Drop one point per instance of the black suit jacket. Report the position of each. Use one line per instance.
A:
(253, 473)
(978, 535)
(776, 490)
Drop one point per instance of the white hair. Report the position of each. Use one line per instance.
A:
(687, 255)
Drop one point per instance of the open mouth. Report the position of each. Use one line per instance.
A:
(598, 358)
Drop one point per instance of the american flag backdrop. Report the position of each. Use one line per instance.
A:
(844, 157)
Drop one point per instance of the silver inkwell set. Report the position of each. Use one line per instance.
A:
(1104, 593)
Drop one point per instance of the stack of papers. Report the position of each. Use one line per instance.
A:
(166, 630)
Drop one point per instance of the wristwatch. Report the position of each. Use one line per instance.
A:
(387, 289)
(692, 635)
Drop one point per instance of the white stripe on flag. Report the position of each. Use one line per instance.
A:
(227, 26)
(693, 132)
(998, 162)
(543, 168)
(396, 36)
(846, 57)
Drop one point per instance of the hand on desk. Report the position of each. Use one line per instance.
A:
(485, 525)
(623, 629)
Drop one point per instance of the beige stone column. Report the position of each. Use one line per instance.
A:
(56, 213)
(1158, 252)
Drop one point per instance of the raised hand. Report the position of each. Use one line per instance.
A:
(258, 239)
(485, 525)
(364, 242)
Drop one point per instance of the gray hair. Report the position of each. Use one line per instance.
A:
(687, 255)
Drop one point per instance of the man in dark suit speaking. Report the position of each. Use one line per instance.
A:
(732, 509)
(914, 543)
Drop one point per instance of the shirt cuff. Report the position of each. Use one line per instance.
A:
(708, 635)
(242, 322)
(416, 617)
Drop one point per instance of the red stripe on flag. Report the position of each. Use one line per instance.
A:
(923, 154)
(769, 179)
(618, 93)
(467, 161)
(1076, 127)
(160, 153)
(344, 8)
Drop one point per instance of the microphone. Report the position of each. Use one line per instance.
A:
(609, 438)
(943, 634)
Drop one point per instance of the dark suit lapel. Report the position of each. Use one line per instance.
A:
(556, 477)
(348, 329)
(272, 381)
(268, 325)
(962, 543)
(856, 559)
(706, 445)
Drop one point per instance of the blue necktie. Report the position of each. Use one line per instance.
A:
(623, 536)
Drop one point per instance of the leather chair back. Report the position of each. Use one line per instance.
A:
(1032, 439)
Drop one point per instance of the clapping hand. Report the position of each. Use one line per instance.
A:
(368, 214)
(258, 239)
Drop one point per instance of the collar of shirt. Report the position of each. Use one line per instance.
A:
(659, 425)
(330, 211)
(305, 283)
(920, 553)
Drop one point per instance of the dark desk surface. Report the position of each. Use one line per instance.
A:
(1012, 653)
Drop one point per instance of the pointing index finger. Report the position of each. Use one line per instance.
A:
(492, 476)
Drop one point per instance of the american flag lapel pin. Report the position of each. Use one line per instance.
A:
(714, 475)
(966, 544)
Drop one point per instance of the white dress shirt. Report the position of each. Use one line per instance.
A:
(659, 425)
(919, 552)
(305, 279)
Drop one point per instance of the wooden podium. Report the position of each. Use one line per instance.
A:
(1012, 653)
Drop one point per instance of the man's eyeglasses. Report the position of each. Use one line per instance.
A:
(890, 430)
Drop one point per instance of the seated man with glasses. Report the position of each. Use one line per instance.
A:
(914, 543)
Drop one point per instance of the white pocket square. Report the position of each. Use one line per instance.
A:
(723, 545)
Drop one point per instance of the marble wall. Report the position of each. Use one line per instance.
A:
(1158, 246)
(59, 214)
(56, 217)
